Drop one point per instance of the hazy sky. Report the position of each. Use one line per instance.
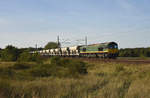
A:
(24, 23)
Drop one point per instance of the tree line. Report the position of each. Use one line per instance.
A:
(134, 52)
(12, 53)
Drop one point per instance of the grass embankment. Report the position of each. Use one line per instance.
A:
(133, 58)
(61, 79)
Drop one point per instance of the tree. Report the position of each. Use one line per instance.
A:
(27, 57)
(10, 53)
(51, 45)
(0, 52)
(134, 52)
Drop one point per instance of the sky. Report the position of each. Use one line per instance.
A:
(24, 23)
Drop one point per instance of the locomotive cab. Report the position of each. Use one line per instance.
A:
(113, 49)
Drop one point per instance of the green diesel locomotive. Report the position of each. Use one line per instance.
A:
(103, 50)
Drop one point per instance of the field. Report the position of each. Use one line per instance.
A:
(103, 80)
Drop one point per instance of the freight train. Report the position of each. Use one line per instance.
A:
(101, 50)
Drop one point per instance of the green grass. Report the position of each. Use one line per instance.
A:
(103, 80)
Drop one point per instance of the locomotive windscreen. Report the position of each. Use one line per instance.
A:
(113, 46)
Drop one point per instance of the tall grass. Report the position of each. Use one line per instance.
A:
(103, 80)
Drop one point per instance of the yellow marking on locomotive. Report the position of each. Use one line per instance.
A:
(112, 51)
(95, 52)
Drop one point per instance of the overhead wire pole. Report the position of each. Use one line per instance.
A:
(36, 47)
(58, 42)
(86, 40)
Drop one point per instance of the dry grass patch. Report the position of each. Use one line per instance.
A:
(103, 80)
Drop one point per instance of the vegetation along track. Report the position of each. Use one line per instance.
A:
(118, 60)
(137, 61)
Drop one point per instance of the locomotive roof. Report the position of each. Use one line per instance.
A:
(104, 44)
(101, 44)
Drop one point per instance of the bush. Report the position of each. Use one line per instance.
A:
(60, 67)
(20, 66)
(77, 66)
(56, 61)
(74, 66)
(41, 71)
(27, 57)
